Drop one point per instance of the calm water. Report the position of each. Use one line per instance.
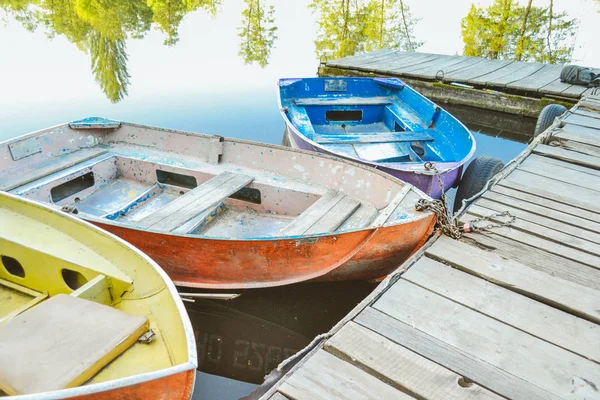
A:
(208, 66)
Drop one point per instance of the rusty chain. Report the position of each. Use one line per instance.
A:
(446, 222)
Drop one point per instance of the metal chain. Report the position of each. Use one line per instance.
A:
(446, 222)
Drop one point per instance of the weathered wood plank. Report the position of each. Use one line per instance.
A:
(429, 69)
(387, 65)
(570, 156)
(541, 210)
(528, 315)
(537, 259)
(360, 218)
(399, 367)
(343, 101)
(582, 148)
(542, 364)
(377, 137)
(58, 164)
(560, 293)
(560, 172)
(553, 161)
(545, 202)
(389, 209)
(552, 189)
(278, 396)
(540, 243)
(514, 71)
(542, 220)
(538, 79)
(590, 105)
(473, 71)
(312, 214)
(335, 217)
(326, 377)
(582, 120)
(455, 359)
(586, 113)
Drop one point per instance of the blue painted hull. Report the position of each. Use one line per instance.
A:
(380, 122)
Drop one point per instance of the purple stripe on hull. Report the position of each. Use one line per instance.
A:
(427, 183)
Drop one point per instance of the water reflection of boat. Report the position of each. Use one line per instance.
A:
(381, 122)
(85, 315)
(221, 213)
(246, 338)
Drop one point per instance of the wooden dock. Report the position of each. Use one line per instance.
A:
(512, 312)
(513, 87)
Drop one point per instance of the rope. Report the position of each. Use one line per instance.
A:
(448, 223)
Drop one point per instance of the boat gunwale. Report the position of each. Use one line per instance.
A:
(192, 358)
(413, 167)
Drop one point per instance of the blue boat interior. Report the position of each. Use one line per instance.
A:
(381, 120)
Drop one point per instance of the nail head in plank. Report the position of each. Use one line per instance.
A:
(401, 368)
(324, 376)
(455, 359)
(528, 315)
(541, 363)
(578, 299)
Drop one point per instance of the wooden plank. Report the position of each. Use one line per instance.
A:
(394, 63)
(536, 258)
(219, 185)
(580, 148)
(312, 214)
(577, 299)
(473, 71)
(455, 359)
(566, 155)
(557, 87)
(360, 218)
(429, 69)
(278, 396)
(542, 364)
(581, 120)
(516, 70)
(360, 59)
(552, 189)
(335, 217)
(538, 79)
(528, 70)
(201, 220)
(544, 202)
(541, 220)
(541, 243)
(538, 319)
(209, 199)
(324, 376)
(343, 101)
(57, 164)
(585, 113)
(375, 137)
(560, 173)
(564, 164)
(400, 367)
(541, 210)
(590, 105)
(389, 209)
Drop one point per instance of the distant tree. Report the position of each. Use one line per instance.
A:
(347, 27)
(506, 30)
(257, 33)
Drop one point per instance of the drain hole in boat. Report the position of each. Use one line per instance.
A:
(71, 187)
(13, 266)
(247, 194)
(73, 279)
(398, 127)
(175, 179)
(344, 115)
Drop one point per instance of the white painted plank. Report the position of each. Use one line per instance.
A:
(518, 353)
(325, 377)
(577, 299)
(545, 322)
(400, 367)
(343, 101)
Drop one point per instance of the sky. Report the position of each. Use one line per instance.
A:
(45, 82)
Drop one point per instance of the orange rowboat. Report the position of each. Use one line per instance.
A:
(221, 213)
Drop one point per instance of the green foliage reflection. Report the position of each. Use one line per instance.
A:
(101, 28)
(257, 33)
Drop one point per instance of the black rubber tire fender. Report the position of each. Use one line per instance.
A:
(477, 174)
(547, 116)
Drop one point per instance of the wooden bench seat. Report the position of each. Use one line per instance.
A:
(325, 215)
(343, 101)
(195, 202)
(375, 137)
(62, 342)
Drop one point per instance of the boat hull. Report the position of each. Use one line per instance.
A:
(242, 264)
(427, 183)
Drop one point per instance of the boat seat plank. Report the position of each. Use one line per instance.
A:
(321, 215)
(58, 164)
(375, 137)
(194, 202)
(62, 343)
(201, 220)
(343, 101)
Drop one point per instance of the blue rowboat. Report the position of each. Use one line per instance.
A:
(381, 122)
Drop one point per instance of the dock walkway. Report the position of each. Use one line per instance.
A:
(513, 312)
(517, 87)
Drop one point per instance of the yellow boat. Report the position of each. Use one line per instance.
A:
(85, 315)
